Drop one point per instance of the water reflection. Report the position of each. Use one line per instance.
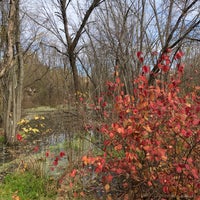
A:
(46, 151)
(55, 141)
(5, 155)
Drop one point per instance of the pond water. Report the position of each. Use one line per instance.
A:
(5, 156)
(45, 149)
(8, 154)
(48, 149)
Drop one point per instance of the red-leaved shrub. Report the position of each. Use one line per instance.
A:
(151, 148)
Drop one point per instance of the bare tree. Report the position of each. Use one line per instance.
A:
(11, 72)
(66, 35)
(123, 28)
(177, 28)
(120, 31)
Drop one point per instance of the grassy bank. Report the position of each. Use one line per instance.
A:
(27, 185)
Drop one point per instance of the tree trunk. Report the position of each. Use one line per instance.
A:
(9, 104)
(72, 60)
(12, 72)
(20, 67)
(72, 42)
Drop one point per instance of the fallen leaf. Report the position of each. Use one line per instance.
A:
(107, 187)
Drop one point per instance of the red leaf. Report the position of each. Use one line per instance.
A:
(62, 153)
(117, 80)
(186, 133)
(160, 65)
(168, 50)
(167, 62)
(107, 142)
(70, 184)
(139, 54)
(47, 154)
(120, 130)
(19, 137)
(165, 57)
(178, 55)
(178, 169)
(111, 135)
(180, 67)
(119, 171)
(194, 172)
(196, 122)
(36, 149)
(55, 162)
(190, 160)
(75, 194)
(104, 104)
(165, 68)
(149, 183)
(52, 168)
(73, 173)
(109, 178)
(99, 168)
(145, 69)
(166, 189)
(141, 59)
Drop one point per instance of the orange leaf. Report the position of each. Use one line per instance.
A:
(84, 159)
(82, 194)
(73, 173)
(117, 80)
(118, 147)
(109, 197)
(147, 128)
(15, 196)
(142, 105)
(107, 187)
(120, 130)
(147, 148)
(197, 88)
(194, 172)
